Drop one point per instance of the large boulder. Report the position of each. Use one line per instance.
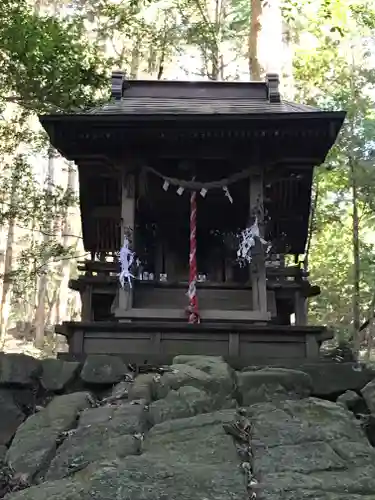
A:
(188, 458)
(35, 442)
(144, 478)
(57, 374)
(271, 384)
(185, 402)
(102, 433)
(208, 373)
(101, 369)
(329, 378)
(368, 393)
(10, 416)
(302, 449)
(19, 370)
(214, 366)
(351, 400)
(199, 439)
(311, 449)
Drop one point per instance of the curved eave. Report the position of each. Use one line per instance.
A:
(47, 120)
(76, 136)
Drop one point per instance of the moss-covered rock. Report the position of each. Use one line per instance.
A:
(272, 384)
(101, 369)
(102, 433)
(208, 373)
(19, 370)
(311, 449)
(368, 393)
(185, 402)
(57, 374)
(34, 444)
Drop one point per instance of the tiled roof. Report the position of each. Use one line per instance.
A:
(198, 106)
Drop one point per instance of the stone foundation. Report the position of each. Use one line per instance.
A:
(98, 430)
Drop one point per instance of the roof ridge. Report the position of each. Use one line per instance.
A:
(195, 98)
(202, 105)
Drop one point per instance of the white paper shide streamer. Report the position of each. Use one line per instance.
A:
(126, 261)
(247, 242)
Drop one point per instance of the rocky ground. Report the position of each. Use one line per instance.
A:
(198, 429)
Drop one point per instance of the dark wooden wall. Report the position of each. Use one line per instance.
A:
(175, 298)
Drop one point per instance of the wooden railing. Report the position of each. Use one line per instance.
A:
(289, 273)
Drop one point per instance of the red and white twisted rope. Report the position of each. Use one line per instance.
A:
(192, 291)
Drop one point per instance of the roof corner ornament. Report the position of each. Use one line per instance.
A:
(272, 82)
(118, 79)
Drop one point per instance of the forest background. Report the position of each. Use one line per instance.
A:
(58, 54)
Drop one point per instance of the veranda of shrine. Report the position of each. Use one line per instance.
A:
(246, 155)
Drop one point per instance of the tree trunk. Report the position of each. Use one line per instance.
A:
(370, 341)
(2, 256)
(253, 38)
(63, 295)
(6, 292)
(265, 40)
(214, 73)
(356, 258)
(135, 57)
(40, 313)
(52, 313)
(32, 302)
(8, 263)
(371, 330)
(288, 48)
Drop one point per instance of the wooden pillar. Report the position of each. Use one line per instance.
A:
(127, 229)
(300, 309)
(86, 300)
(257, 266)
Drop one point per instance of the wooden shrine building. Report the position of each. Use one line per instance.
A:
(248, 156)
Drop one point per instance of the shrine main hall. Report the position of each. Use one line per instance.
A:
(182, 171)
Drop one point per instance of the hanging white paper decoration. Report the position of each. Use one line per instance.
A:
(203, 191)
(247, 242)
(126, 261)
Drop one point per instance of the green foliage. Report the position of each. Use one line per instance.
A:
(45, 62)
(31, 263)
(32, 207)
(349, 85)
